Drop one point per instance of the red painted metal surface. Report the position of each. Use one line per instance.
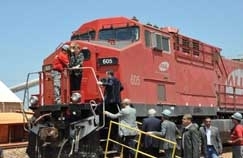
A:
(190, 74)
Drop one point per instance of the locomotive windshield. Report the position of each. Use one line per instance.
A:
(85, 36)
(119, 34)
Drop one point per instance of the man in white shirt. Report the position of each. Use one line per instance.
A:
(211, 141)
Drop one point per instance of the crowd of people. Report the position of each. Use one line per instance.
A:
(195, 141)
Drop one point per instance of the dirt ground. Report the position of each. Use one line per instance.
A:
(15, 153)
(227, 155)
(20, 153)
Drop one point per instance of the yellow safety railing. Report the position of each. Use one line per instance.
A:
(137, 147)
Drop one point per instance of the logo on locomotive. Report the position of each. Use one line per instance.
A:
(164, 66)
(235, 82)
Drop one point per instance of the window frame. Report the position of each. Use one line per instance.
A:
(157, 41)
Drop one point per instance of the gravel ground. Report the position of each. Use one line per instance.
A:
(20, 153)
(15, 153)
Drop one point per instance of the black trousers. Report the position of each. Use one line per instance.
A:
(114, 128)
(128, 141)
(154, 151)
(75, 82)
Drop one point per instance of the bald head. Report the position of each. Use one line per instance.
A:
(126, 101)
(151, 112)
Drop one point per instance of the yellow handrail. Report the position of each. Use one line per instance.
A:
(139, 134)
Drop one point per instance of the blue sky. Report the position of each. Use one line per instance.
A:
(31, 30)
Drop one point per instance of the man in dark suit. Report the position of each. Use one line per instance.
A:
(151, 123)
(113, 88)
(211, 141)
(169, 131)
(190, 138)
(112, 96)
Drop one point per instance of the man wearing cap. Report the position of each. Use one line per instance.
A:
(60, 62)
(236, 136)
(151, 123)
(169, 131)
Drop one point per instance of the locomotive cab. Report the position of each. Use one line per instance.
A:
(158, 67)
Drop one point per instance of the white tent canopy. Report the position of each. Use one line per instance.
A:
(6, 95)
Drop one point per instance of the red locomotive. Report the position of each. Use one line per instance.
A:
(158, 68)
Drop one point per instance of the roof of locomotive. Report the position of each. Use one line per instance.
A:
(120, 21)
(104, 23)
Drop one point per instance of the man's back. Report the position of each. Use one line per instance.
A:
(151, 124)
(169, 132)
(60, 61)
(128, 117)
(113, 87)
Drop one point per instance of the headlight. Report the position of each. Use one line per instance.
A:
(34, 100)
(76, 97)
